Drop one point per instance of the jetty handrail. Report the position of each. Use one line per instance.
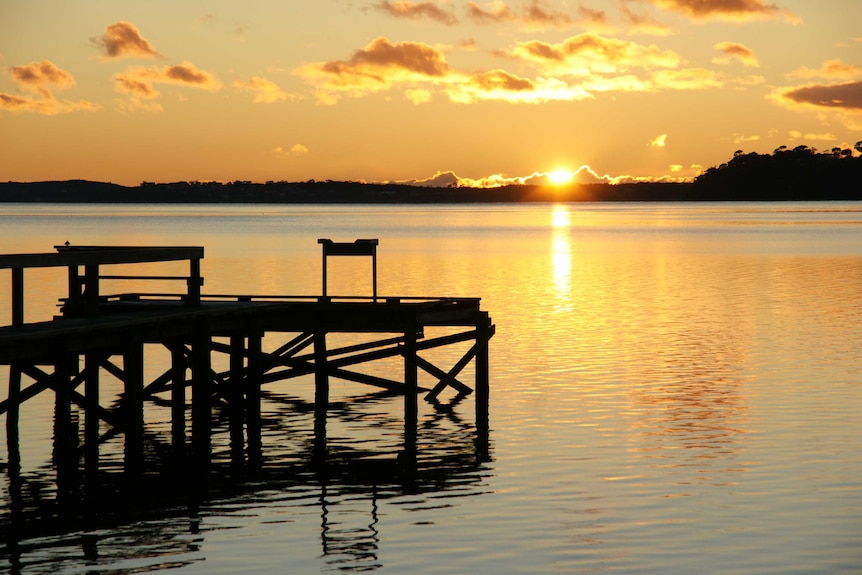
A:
(84, 290)
(361, 247)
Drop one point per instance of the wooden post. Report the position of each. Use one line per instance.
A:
(321, 392)
(483, 335)
(12, 414)
(201, 400)
(178, 399)
(16, 499)
(252, 396)
(236, 408)
(17, 296)
(133, 399)
(65, 436)
(411, 407)
(92, 362)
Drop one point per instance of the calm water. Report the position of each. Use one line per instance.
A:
(674, 389)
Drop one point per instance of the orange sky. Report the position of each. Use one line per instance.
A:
(484, 93)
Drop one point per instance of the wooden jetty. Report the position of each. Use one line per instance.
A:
(96, 333)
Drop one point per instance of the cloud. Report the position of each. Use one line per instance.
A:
(494, 13)
(688, 79)
(797, 135)
(418, 95)
(378, 66)
(139, 83)
(123, 40)
(40, 79)
(575, 69)
(590, 53)
(418, 11)
(742, 138)
(831, 69)
(265, 91)
(438, 180)
(658, 142)
(842, 101)
(731, 10)
(583, 175)
(504, 86)
(295, 150)
(734, 51)
(846, 96)
(593, 19)
(532, 16)
(47, 104)
(37, 75)
(644, 23)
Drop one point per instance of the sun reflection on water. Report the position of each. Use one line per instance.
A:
(561, 253)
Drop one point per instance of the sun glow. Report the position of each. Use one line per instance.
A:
(560, 177)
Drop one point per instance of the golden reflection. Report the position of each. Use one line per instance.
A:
(561, 252)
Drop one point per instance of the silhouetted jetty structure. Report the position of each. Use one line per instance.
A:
(96, 333)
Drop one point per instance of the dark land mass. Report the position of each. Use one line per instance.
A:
(798, 174)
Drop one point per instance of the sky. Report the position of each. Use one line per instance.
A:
(435, 92)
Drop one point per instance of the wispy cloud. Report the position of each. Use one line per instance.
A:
(742, 138)
(644, 23)
(139, 83)
(734, 51)
(659, 141)
(832, 69)
(732, 10)
(265, 91)
(418, 11)
(294, 150)
(123, 40)
(590, 53)
(797, 135)
(534, 15)
(39, 80)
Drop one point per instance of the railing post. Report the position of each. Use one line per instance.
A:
(17, 296)
(252, 396)
(195, 281)
(133, 398)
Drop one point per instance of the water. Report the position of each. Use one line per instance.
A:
(674, 389)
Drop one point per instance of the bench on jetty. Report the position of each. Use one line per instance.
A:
(101, 329)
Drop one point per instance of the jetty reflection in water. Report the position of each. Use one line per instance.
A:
(113, 519)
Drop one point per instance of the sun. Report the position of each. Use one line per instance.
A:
(560, 176)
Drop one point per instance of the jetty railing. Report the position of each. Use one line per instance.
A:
(83, 295)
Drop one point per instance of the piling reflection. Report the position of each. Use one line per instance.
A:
(154, 515)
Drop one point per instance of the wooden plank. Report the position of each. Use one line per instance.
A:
(366, 247)
(98, 255)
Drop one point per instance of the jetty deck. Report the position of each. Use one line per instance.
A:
(95, 333)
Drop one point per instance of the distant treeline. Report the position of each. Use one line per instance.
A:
(796, 174)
